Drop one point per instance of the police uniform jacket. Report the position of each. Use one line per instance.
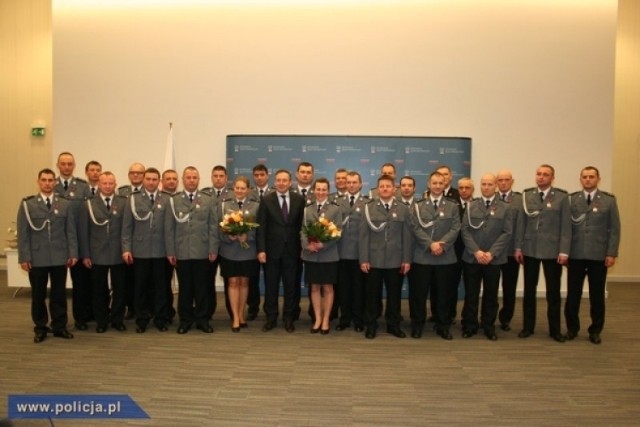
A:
(385, 236)
(143, 225)
(100, 232)
(225, 193)
(46, 237)
(329, 251)
(487, 229)
(429, 225)
(231, 249)
(191, 228)
(127, 190)
(595, 227)
(514, 200)
(352, 216)
(255, 193)
(545, 229)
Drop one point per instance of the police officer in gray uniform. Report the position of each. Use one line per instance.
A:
(511, 269)
(143, 246)
(486, 231)
(101, 251)
(385, 256)
(543, 237)
(350, 286)
(191, 236)
(76, 190)
(47, 245)
(595, 238)
(435, 224)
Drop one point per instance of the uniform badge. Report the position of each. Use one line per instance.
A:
(71, 194)
(548, 205)
(197, 206)
(395, 215)
(180, 214)
(493, 213)
(55, 211)
(159, 206)
(441, 213)
(595, 209)
(357, 209)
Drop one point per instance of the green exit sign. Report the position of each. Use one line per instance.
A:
(37, 131)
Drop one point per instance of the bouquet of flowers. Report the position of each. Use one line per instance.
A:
(323, 230)
(234, 224)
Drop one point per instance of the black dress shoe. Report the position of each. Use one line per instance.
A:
(359, 328)
(314, 330)
(269, 325)
(595, 338)
(570, 335)
(396, 332)
(183, 328)
(325, 331)
(162, 328)
(235, 329)
(39, 337)
(63, 333)
(467, 334)
(444, 334)
(505, 327)
(206, 328)
(342, 326)
(416, 333)
(101, 329)
(119, 327)
(370, 334)
(244, 325)
(252, 316)
(81, 326)
(141, 330)
(288, 326)
(557, 337)
(524, 334)
(491, 336)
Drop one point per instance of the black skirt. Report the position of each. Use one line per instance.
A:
(320, 273)
(231, 268)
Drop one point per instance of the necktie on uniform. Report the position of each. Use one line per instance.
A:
(503, 197)
(319, 207)
(136, 189)
(285, 208)
(488, 203)
(261, 193)
(464, 206)
(217, 193)
(386, 207)
(191, 197)
(352, 201)
(48, 202)
(66, 185)
(107, 200)
(435, 204)
(240, 204)
(93, 191)
(589, 198)
(541, 196)
(304, 192)
(152, 198)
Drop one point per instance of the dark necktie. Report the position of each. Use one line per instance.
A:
(285, 208)
(93, 191)
(191, 197)
(304, 192)
(107, 200)
(386, 207)
(464, 206)
(589, 198)
(435, 204)
(66, 185)
(136, 190)
(152, 198)
(488, 203)
(541, 196)
(407, 203)
(352, 201)
(503, 197)
(218, 193)
(319, 207)
(48, 203)
(240, 204)
(261, 193)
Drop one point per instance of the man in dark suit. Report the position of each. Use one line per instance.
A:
(280, 218)
(595, 238)
(47, 245)
(543, 237)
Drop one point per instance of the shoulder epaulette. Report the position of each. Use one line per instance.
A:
(575, 193)
(120, 196)
(166, 192)
(529, 189)
(122, 187)
(309, 203)
(228, 199)
(333, 202)
(28, 198)
(561, 190)
(453, 200)
(607, 193)
(80, 180)
(206, 190)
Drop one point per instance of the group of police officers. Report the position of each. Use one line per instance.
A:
(122, 245)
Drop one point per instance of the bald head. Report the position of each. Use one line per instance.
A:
(504, 180)
(488, 185)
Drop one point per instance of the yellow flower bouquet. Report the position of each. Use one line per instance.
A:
(235, 224)
(322, 230)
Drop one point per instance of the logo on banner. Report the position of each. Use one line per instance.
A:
(337, 149)
(304, 148)
(441, 150)
(373, 150)
(236, 148)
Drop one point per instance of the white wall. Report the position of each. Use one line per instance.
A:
(530, 81)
